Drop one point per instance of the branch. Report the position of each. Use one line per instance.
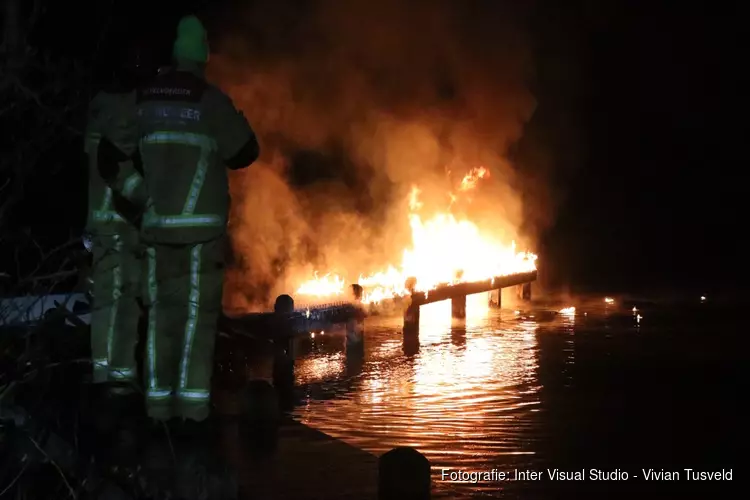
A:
(54, 464)
(15, 480)
(42, 107)
(60, 275)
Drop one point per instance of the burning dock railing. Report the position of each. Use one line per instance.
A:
(288, 321)
(458, 292)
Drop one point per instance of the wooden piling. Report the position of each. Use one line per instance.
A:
(404, 473)
(458, 307)
(357, 293)
(354, 365)
(284, 304)
(283, 360)
(495, 298)
(411, 313)
(410, 344)
(355, 326)
(526, 291)
(411, 319)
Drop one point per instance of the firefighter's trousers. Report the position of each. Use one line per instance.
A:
(184, 292)
(116, 274)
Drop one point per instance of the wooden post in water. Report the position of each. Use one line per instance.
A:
(411, 318)
(458, 307)
(355, 326)
(410, 344)
(404, 473)
(495, 298)
(458, 302)
(524, 291)
(411, 313)
(283, 359)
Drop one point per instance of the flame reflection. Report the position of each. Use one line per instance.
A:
(475, 379)
(320, 368)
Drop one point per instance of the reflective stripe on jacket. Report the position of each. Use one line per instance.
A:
(187, 131)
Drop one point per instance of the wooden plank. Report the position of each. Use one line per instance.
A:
(449, 291)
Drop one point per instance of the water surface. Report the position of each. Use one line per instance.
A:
(528, 388)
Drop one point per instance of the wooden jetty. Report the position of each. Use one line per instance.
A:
(458, 292)
(287, 322)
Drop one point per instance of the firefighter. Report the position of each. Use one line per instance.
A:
(112, 229)
(112, 226)
(189, 133)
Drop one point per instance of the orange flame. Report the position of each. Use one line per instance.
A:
(443, 250)
(471, 179)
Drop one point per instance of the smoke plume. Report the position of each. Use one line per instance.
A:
(354, 102)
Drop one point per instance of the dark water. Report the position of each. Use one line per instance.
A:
(532, 389)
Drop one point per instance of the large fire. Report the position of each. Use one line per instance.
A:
(443, 250)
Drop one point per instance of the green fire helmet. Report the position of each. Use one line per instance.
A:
(191, 43)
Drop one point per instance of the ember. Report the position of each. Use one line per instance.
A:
(444, 249)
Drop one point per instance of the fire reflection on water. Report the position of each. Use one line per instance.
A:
(321, 367)
(470, 389)
(568, 327)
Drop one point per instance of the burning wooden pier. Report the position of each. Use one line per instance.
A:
(458, 292)
(287, 322)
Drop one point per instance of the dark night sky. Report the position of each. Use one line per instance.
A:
(657, 198)
(651, 188)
